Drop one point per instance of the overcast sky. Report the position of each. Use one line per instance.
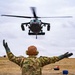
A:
(59, 40)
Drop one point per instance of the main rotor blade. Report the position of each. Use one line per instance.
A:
(34, 12)
(37, 17)
(17, 16)
(57, 17)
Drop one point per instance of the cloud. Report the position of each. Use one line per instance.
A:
(60, 39)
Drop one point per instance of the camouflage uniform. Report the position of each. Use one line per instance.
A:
(32, 65)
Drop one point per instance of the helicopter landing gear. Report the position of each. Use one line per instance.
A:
(22, 27)
(48, 28)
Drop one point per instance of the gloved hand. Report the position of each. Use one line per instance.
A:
(66, 55)
(6, 46)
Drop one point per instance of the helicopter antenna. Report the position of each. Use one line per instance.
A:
(36, 36)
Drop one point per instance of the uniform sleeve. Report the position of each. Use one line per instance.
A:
(13, 58)
(47, 60)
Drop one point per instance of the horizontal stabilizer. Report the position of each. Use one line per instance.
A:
(43, 33)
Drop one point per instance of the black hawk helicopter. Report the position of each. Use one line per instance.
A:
(35, 25)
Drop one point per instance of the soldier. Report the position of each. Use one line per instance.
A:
(32, 65)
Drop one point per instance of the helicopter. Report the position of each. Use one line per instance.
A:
(35, 25)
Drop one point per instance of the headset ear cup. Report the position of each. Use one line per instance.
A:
(37, 52)
(26, 52)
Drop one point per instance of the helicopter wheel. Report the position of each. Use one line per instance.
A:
(48, 28)
(29, 31)
(41, 31)
(22, 27)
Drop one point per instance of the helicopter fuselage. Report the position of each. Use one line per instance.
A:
(35, 26)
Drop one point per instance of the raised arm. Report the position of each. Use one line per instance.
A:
(11, 56)
(47, 60)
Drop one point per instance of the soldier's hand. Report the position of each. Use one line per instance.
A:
(67, 54)
(5, 45)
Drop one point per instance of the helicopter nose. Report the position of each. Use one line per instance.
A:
(35, 28)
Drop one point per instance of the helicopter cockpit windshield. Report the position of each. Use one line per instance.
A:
(35, 21)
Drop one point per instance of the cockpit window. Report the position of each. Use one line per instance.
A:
(31, 21)
(39, 21)
(35, 21)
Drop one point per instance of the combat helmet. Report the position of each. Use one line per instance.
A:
(32, 50)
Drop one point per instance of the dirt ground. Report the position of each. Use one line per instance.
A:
(9, 68)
